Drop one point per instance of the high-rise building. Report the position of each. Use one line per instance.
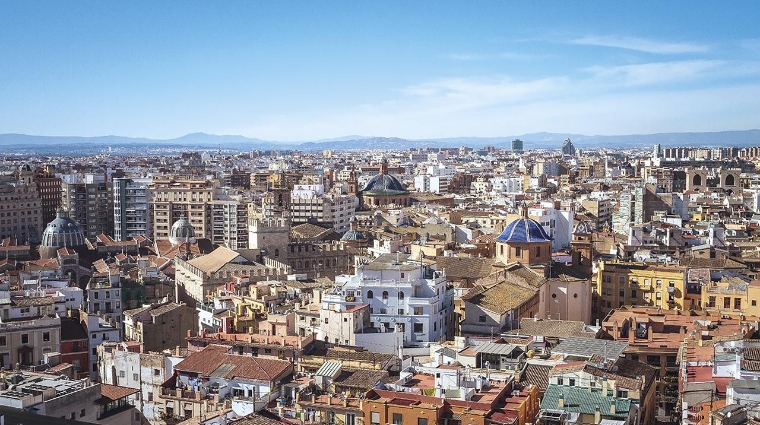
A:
(657, 151)
(517, 146)
(131, 216)
(89, 200)
(309, 202)
(49, 188)
(20, 215)
(568, 148)
(171, 198)
(229, 221)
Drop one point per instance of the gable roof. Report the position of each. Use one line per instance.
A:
(215, 361)
(214, 261)
(499, 298)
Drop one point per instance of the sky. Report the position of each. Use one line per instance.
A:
(311, 70)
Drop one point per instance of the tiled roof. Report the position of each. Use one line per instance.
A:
(577, 399)
(554, 328)
(215, 360)
(214, 261)
(115, 392)
(465, 267)
(586, 347)
(537, 375)
(309, 231)
(523, 230)
(72, 329)
(360, 378)
(263, 418)
(499, 298)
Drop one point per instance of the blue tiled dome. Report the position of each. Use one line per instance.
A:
(384, 184)
(523, 230)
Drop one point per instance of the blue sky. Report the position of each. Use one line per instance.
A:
(311, 70)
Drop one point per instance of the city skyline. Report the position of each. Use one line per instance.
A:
(294, 72)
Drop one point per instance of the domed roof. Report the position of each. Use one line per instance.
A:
(62, 232)
(353, 235)
(583, 228)
(525, 230)
(384, 184)
(181, 232)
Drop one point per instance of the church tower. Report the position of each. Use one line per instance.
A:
(582, 247)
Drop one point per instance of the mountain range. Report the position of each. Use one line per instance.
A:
(20, 143)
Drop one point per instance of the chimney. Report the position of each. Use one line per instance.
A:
(597, 415)
(650, 333)
(561, 401)
(329, 400)
(682, 333)
(612, 406)
(177, 351)
(615, 330)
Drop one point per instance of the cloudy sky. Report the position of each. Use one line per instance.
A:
(320, 69)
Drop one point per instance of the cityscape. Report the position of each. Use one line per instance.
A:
(379, 214)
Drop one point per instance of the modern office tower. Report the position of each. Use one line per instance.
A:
(568, 148)
(172, 197)
(88, 198)
(131, 216)
(517, 146)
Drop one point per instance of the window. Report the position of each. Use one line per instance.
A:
(398, 419)
(150, 396)
(726, 302)
(621, 279)
(482, 319)
(385, 295)
(418, 328)
(622, 293)
(518, 252)
(46, 336)
(3, 340)
(754, 304)
(571, 382)
(622, 393)
(560, 381)
(401, 312)
(93, 336)
(81, 413)
(402, 275)
(538, 251)
(95, 352)
(401, 295)
(350, 419)
(374, 418)
(418, 311)
(156, 372)
(422, 421)
(25, 338)
(121, 372)
(633, 293)
(370, 294)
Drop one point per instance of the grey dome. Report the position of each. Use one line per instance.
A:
(384, 184)
(353, 235)
(583, 228)
(181, 232)
(62, 232)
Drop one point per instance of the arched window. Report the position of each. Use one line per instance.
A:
(306, 264)
(697, 180)
(730, 180)
(401, 295)
(385, 295)
(276, 252)
(370, 294)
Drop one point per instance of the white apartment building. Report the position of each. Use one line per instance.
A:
(104, 297)
(403, 296)
(557, 223)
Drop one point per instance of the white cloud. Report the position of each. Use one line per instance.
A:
(641, 44)
(657, 72)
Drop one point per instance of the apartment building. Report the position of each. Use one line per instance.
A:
(20, 208)
(27, 341)
(310, 203)
(171, 198)
(131, 214)
(89, 201)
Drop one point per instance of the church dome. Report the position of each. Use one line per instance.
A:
(523, 230)
(583, 228)
(181, 232)
(384, 184)
(62, 232)
(353, 235)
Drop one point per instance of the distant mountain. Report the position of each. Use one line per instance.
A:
(22, 143)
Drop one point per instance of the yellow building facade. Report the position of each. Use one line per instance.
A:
(639, 284)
